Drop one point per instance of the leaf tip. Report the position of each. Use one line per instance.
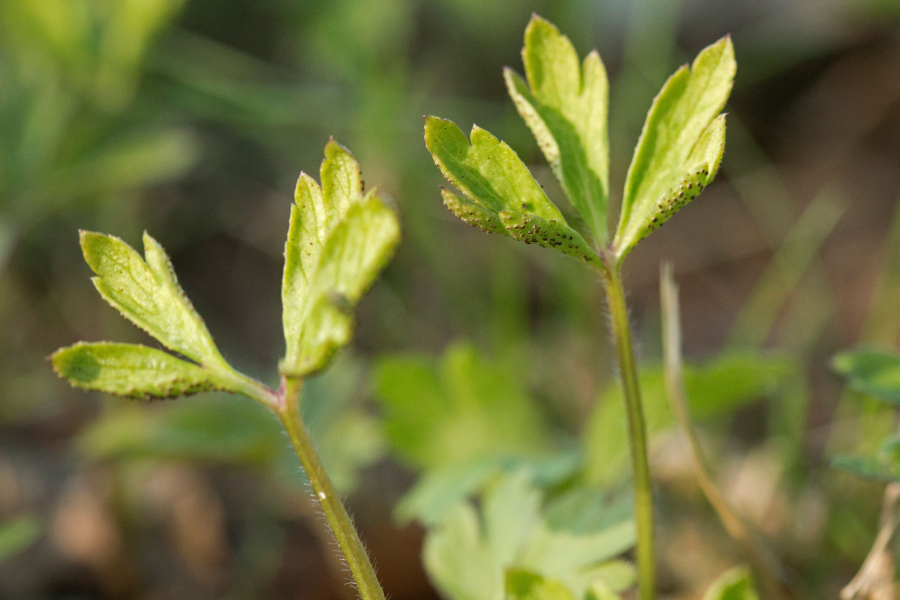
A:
(333, 147)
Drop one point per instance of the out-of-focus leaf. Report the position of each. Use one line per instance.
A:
(871, 372)
(720, 386)
(338, 242)
(614, 575)
(680, 147)
(735, 584)
(468, 553)
(501, 196)
(438, 490)
(97, 47)
(218, 429)
(125, 162)
(148, 295)
(565, 106)
(601, 591)
(133, 371)
(209, 428)
(878, 468)
(458, 412)
(18, 534)
(524, 585)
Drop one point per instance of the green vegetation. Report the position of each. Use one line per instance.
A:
(339, 240)
(461, 400)
(565, 107)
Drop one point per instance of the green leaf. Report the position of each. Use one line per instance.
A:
(438, 490)
(565, 106)
(468, 554)
(18, 534)
(212, 428)
(339, 240)
(461, 411)
(601, 591)
(722, 385)
(620, 574)
(878, 468)
(680, 146)
(148, 294)
(501, 196)
(133, 371)
(524, 585)
(871, 372)
(734, 584)
(215, 429)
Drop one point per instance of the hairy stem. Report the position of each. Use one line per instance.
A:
(288, 410)
(637, 432)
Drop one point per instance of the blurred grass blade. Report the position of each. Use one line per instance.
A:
(126, 161)
(565, 105)
(875, 578)
(680, 146)
(721, 385)
(133, 371)
(503, 197)
(790, 263)
(735, 527)
(339, 241)
(148, 295)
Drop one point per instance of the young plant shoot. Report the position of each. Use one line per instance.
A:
(339, 240)
(564, 103)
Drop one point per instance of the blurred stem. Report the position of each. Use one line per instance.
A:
(288, 410)
(637, 431)
(668, 292)
(876, 576)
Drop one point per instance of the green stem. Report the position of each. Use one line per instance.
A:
(288, 410)
(637, 432)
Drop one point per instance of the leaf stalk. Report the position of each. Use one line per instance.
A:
(288, 410)
(637, 431)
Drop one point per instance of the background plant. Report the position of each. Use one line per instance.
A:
(258, 88)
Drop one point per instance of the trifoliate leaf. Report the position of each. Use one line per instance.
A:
(148, 295)
(680, 146)
(134, 371)
(339, 240)
(501, 194)
(524, 585)
(871, 372)
(457, 412)
(734, 584)
(565, 106)
(469, 552)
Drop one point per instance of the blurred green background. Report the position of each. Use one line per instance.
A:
(192, 119)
